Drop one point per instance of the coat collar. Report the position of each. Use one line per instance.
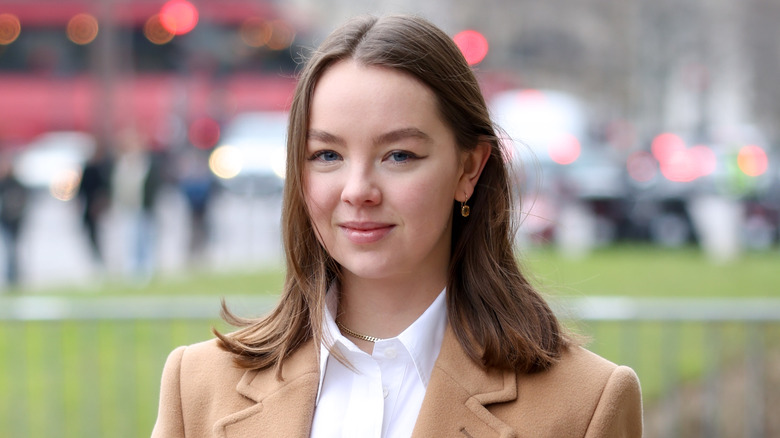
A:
(283, 407)
(454, 403)
(458, 392)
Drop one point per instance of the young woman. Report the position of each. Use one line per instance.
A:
(404, 312)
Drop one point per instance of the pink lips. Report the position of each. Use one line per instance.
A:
(365, 232)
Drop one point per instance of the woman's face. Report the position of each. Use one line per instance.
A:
(381, 173)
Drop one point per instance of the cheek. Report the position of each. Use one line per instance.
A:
(430, 199)
(317, 198)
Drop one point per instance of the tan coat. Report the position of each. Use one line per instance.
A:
(204, 395)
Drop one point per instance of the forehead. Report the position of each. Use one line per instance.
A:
(350, 91)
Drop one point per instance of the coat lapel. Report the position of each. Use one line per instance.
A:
(283, 408)
(457, 394)
(454, 405)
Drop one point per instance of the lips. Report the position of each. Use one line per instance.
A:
(365, 232)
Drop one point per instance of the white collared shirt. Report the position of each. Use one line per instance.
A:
(383, 395)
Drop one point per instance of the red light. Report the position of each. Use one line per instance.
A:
(665, 145)
(679, 166)
(82, 29)
(473, 45)
(565, 149)
(10, 28)
(680, 163)
(752, 160)
(155, 32)
(204, 133)
(178, 16)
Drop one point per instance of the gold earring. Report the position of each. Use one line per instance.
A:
(465, 210)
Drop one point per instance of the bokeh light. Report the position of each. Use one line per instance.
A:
(10, 28)
(255, 32)
(565, 149)
(226, 162)
(282, 35)
(665, 145)
(82, 29)
(678, 162)
(473, 45)
(65, 184)
(677, 166)
(155, 32)
(752, 160)
(179, 16)
(204, 132)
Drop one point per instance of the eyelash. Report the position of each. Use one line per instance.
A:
(409, 156)
(319, 154)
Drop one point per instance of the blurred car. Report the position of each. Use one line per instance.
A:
(54, 161)
(251, 157)
(548, 142)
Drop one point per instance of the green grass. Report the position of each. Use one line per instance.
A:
(101, 378)
(641, 271)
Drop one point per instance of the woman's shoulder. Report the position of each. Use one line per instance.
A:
(204, 363)
(591, 392)
(199, 387)
(582, 370)
(577, 358)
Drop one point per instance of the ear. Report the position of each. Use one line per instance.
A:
(472, 163)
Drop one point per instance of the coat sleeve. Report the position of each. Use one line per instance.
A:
(619, 410)
(170, 419)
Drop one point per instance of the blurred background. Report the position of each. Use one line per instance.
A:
(142, 158)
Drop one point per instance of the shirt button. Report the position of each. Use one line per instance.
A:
(390, 353)
(385, 391)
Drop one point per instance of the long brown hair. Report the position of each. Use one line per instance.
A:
(498, 317)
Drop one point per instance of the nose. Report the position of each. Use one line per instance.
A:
(360, 187)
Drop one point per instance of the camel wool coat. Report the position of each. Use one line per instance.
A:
(204, 394)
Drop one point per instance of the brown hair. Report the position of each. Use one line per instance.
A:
(498, 317)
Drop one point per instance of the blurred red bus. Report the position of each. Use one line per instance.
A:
(101, 65)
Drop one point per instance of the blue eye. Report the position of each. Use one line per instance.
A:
(400, 156)
(326, 156)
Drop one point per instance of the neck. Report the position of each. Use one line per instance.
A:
(384, 309)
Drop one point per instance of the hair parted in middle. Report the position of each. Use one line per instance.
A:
(498, 317)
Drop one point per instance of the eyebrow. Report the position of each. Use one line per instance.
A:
(386, 138)
(324, 137)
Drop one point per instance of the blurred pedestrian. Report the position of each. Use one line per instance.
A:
(196, 182)
(404, 311)
(13, 206)
(95, 195)
(134, 185)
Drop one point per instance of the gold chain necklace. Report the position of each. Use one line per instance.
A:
(356, 334)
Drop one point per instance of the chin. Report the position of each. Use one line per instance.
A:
(367, 273)
(368, 269)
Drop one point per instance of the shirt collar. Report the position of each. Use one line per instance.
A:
(422, 338)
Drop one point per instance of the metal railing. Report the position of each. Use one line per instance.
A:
(90, 366)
